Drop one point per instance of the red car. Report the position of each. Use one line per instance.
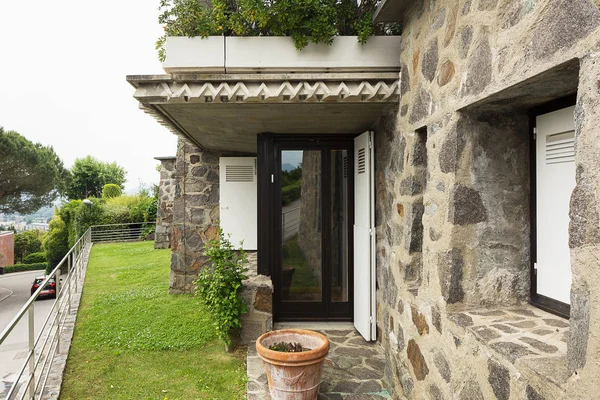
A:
(48, 291)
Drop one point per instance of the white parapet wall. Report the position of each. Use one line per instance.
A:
(218, 54)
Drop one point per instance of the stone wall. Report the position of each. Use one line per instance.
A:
(166, 195)
(452, 192)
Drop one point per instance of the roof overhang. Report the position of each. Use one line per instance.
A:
(225, 112)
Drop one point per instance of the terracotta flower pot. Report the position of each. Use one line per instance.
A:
(293, 375)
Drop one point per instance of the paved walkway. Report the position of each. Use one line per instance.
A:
(353, 369)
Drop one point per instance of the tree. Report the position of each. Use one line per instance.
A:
(31, 175)
(56, 242)
(27, 242)
(89, 175)
(111, 190)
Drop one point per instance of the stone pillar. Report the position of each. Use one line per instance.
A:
(166, 195)
(195, 213)
(584, 236)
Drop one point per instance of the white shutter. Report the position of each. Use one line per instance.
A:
(364, 237)
(555, 181)
(238, 200)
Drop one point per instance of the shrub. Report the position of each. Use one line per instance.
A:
(24, 267)
(318, 21)
(111, 190)
(218, 286)
(33, 258)
(291, 192)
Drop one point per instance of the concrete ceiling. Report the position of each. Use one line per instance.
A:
(233, 127)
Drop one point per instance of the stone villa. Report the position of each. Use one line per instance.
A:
(461, 231)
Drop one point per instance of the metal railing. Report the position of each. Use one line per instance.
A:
(127, 232)
(33, 374)
(290, 222)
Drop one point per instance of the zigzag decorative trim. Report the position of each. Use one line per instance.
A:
(269, 92)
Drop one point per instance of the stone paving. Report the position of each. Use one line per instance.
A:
(353, 369)
(526, 333)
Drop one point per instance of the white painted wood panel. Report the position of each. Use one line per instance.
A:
(555, 181)
(238, 200)
(364, 237)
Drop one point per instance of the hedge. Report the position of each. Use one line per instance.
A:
(24, 267)
(34, 258)
(291, 192)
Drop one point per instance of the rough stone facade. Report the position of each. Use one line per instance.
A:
(166, 196)
(453, 201)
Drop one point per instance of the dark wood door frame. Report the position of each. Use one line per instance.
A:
(545, 303)
(269, 222)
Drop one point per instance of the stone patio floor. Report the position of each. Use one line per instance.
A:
(526, 336)
(353, 369)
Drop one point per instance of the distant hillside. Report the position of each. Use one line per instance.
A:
(287, 167)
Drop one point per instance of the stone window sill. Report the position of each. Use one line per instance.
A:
(529, 338)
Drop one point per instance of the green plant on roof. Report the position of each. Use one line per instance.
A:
(318, 21)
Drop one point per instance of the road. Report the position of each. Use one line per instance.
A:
(14, 293)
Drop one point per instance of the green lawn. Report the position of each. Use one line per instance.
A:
(135, 341)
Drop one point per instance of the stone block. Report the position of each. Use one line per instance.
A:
(263, 300)
(565, 23)
(471, 391)
(499, 379)
(422, 106)
(584, 227)
(417, 360)
(419, 320)
(466, 206)
(436, 318)
(450, 272)
(430, 60)
(479, 69)
(442, 365)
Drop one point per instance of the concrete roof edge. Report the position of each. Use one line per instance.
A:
(165, 158)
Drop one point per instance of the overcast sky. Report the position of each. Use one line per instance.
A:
(62, 80)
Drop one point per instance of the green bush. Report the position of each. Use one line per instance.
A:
(318, 21)
(219, 284)
(34, 258)
(24, 267)
(111, 190)
(291, 192)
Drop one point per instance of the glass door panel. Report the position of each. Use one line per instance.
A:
(301, 226)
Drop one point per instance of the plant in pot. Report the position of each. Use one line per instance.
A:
(317, 21)
(293, 361)
(219, 284)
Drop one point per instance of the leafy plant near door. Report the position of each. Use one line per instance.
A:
(318, 21)
(219, 284)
